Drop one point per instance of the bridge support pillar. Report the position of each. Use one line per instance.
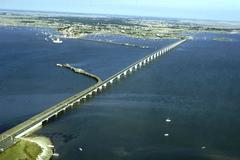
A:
(111, 81)
(36, 123)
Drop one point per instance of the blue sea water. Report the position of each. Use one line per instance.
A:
(196, 86)
(30, 82)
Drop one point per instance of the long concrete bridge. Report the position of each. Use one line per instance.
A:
(11, 136)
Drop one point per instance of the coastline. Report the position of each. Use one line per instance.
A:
(43, 143)
(29, 148)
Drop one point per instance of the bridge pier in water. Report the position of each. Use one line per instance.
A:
(136, 67)
(131, 69)
(8, 138)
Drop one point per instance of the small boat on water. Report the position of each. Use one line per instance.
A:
(168, 120)
(57, 40)
(166, 135)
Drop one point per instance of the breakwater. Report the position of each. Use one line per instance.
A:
(12, 135)
(80, 71)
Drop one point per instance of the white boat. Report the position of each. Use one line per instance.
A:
(57, 40)
(166, 134)
(168, 120)
(203, 147)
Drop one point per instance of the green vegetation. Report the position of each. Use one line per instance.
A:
(23, 150)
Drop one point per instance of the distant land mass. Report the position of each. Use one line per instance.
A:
(77, 25)
(200, 63)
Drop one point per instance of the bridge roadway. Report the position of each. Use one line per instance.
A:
(11, 136)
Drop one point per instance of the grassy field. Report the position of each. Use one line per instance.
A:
(23, 150)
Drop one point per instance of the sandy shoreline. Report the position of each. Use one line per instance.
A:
(43, 143)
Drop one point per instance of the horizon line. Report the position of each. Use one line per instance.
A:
(107, 14)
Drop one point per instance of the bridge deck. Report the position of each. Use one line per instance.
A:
(9, 135)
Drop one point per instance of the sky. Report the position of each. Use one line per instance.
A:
(196, 9)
